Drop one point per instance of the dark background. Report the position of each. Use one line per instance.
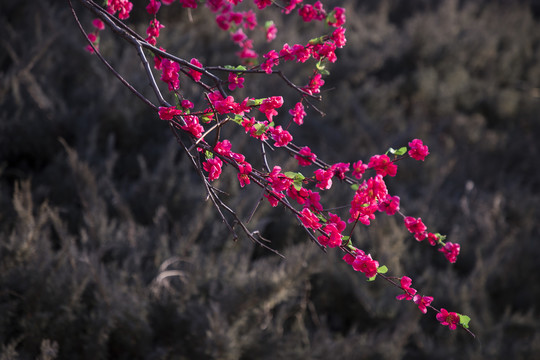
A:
(108, 248)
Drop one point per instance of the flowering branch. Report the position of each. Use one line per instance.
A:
(295, 192)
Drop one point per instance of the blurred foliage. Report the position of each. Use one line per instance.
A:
(108, 249)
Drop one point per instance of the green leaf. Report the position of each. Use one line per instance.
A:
(239, 119)
(398, 152)
(382, 269)
(355, 187)
(239, 67)
(464, 320)
(268, 24)
(255, 102)
(208, 155)
(316, 41)
(372, 278)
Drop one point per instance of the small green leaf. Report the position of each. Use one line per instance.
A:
(464, 320)
(316, 41)
(355, 187)
(268, 24)
(398, 152)
(208, 155)
(254, 102)
(372, 278)
(239, 119)
(382, 269)
(239, 67)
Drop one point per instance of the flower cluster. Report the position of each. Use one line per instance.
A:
(258, 117)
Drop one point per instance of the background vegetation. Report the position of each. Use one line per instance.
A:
(108, 249)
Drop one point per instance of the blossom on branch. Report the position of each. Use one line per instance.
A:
(451, 319)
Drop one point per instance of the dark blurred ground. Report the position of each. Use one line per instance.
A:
(97, 202)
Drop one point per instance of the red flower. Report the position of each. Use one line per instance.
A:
(213, 167)
(406, 283)
(309, 219)
(359, 169)
(324, 178)
(382, 165)
(153, 7)
(305, 157)
(390, 205)
(422, 302)
(366, 265)
(414, 226)
(448, 318)
(450, 251)
(167, 113)
(298, 113)
(192, 126)
(243, 174)
(196, 75)
(418, 150)
(98, 24)
(280, 136)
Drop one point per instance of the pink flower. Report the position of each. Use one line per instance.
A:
(261, 4)
(186, 104)
(243, 174)
(450, 251)
(286, 53)
(418, 150)
(406, 283)
(153, 7)
(298, 113)
(292, 4)
(338, 36)
(359, 169)
(307, 12)
(366, 265)
(280, 136)
(154, 27)
(169, 74)
(382, 165)
(448, 318)
(271, 32)
(223, 148)
(422, 302)
(269, 105)
(433, 239)
(390, 205)
(123, 7)
(340, 169)
(301, 53)
(238, 36)
(235, 81)
(196, 75)
(189, 3)
(192, 126)
(273, 198)
(333, 239)
(305, 157)
(414, 225)
(213, 167)
(309, 219)
(272, 59)
(324, 178)
(279, 181)
(314, 85)
(167, 113)
(250, 20)
(98, 24)
(337, 17)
